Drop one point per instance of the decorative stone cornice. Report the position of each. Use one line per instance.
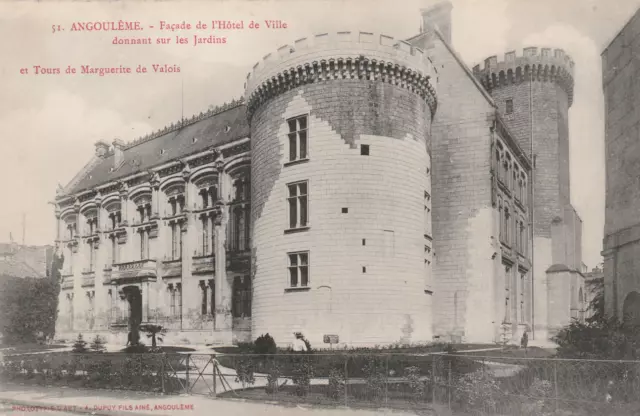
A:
(338, 56)
(547, 66)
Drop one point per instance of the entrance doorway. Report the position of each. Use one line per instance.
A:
(134, 300)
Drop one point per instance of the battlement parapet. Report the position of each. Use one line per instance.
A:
(538, 64)
(341, 55)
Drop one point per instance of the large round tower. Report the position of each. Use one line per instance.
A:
(533, 93)
(340, 190)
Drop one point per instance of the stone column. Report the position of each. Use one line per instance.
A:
(145, 300)
(124, 203)
(223, 319)
(155, 195)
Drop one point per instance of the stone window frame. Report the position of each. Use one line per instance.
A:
(508, 299)
(295, 136)
(298, 266)
(299, 225)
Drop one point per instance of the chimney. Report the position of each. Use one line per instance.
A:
(118, 151)
(102, 148)
(438, 17)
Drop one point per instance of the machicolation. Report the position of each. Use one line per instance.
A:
(341, 55)
(551, 65)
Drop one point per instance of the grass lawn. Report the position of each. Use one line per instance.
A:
(396, 396)
(514, 354)
(32, 347)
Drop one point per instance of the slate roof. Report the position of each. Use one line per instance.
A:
(218, 128)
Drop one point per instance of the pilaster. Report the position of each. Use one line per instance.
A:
(223, 318)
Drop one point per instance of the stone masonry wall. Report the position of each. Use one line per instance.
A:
(621, 85)
(467, 273)
(367, 269)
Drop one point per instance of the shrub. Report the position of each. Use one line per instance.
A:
(244, 372)
(302, 374)
(273, 375)
(375, 376)
(337, 381)
(98, 344)
(265, 344)
(99, 372)
(138, 348)
(80, 345)
(416, 385)
(478, 391)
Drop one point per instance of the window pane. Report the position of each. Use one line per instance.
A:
(293, 213)
(303, 188)
(303, 145)
(292, 147)
(292, 125)
(293, 276)
(303, 211)
(293, 259)
(302, 122)
(304, 276)
(293, 190)
(304, 259)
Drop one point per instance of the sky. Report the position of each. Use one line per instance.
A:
(50, 122)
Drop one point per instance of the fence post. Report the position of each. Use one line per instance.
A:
(215, 367)
(449, 386)
(346, 379)
(555, 382)
(433, 379)
(386, 378)
(188, 384)
(163, 357)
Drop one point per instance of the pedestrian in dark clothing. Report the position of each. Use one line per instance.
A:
(524, 341)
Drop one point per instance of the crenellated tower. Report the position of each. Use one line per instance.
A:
(340, 134)
(533, 93)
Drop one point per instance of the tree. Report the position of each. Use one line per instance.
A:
(28, 307)
(80, 345)
(154, 332)
(596, 305)
(98, 344)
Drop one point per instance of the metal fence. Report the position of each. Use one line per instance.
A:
(463, 383)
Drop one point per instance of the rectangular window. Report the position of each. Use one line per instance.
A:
(297, 138)
(299, 269)
(114, 250)
(92, 254)
(298, 204)
(179, 301)
(172, 309)
(205, 236)
(176, 241)
(212, 305)
(509, 106)
(203, 303)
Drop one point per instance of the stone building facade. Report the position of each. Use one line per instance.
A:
(621, 246)
(366, 187)
(534, 92)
